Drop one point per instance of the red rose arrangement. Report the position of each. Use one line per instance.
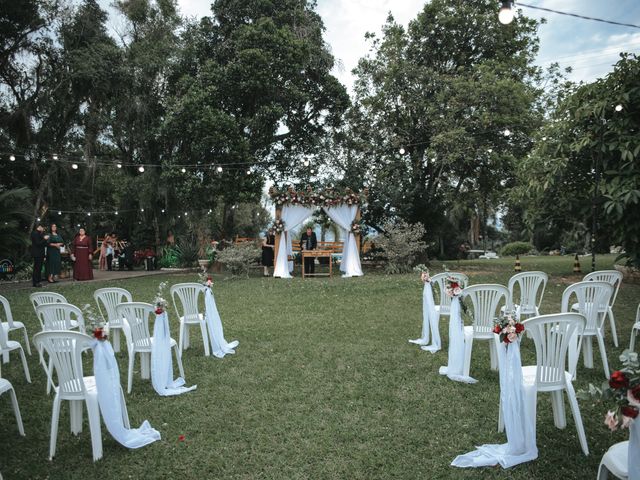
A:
(101, 333)
(508, 328)
(623, 388)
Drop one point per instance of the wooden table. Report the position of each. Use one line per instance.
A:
(317, 254)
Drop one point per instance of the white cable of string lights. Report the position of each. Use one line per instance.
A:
(576, 15)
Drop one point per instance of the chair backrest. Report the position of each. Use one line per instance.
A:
(551, 335)
(58, 316)
(189, 294)
(4, 337)
(109, 298)
(612, 277)
(65, 350)
(7, 311)
(136, 322)
(591, 295)
(531, 286)
(485, 299)
(440, 280)
(38, 298)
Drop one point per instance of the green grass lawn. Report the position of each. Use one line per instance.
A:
(324, 385)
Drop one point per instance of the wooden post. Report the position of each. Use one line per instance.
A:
(278, 235)
(357, 219)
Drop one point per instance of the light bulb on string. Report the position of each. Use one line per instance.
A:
(12, 158)
(142, 209)
(506, 132)
(88, 214)
(116, 212)
(186, 213)
(74, 166)
(618, 108)
(402, 151)
(59, 212)
(506, 14)
(248, 172)
(119, 165)
(306, 163)
(162, 211)
(38, 219)
(183, 170)
(141, 169)
(219, 169)
(55, 157)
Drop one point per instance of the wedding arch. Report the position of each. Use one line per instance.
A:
(292, 207)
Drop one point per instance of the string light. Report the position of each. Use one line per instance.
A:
(506, 132)
(74, 166)
(306, 163)
(402, 151)
(248, 172)
(59, 212)
(183, 170)
(611, 22)
(116, 212)
(142, 209)
(55, 157)
(141, 169)
(506, 14)
(219, 169)
(618, 108)
(163, 210)
(119, 165)
(12, 158)
(88, 214)
(186, 213)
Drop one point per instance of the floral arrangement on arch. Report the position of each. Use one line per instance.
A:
(356, 228)
(508, 328)
(424, 273)
(278, 226)
(623, 389)
(99, 329)
(159, 301)
(308, 198)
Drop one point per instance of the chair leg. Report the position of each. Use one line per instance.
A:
(132, 359)
(55, 415)
(632, 341)
(26, 340)
(75, 416)
(50, 370)
(587, 351)
(612, 322)
(557, 404)
(493, 355)
(116, 340)
(577, 418)
(5, 355)
(145, 365)
(16, 411)
(181, 338)
(603, 472)
(93, 412)
(603, 355)
(185, 343)
(179, 360)
(205, 338)
(25, 366)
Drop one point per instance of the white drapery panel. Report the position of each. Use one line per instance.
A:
(455, 364)
(162, 362)
(111, 400)
(519, 409)
(291, 215)
(219, 346)
(430, 321)
(344, 215)
(633, 458)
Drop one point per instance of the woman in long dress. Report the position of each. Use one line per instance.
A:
(268, 245)
(54, 260)
(102, 260)
(82, 256)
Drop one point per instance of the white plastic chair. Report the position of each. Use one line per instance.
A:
(60, 316)
(552, 335)
(38, 298)
(485, 300)
(7, 346)
(588, 294)
(65, 349)
(531, 286)
(10, 325)
(634, 330)
(136, 330)
(189, 294)
(107, 299)
(615, 461)
(5, 386)
(444, 308)
(613, 278)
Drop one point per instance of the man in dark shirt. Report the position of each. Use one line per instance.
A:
(38, 245)
(308, 241)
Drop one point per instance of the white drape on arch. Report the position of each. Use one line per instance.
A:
(291, 215)
(344, 215)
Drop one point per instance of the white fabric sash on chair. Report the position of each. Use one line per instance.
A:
(519, 409)
(455, 363)
(344, 215)
(111, 400)
(291, 216)
(430, 322)
(219, 346)
(162, 363)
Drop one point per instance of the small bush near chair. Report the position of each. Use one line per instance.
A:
(402, 245)
(516, 248)
(239, 257)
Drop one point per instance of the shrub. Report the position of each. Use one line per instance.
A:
(188, 253)
(168, 257)
(238, 258)
(402, 245)
(516, 248)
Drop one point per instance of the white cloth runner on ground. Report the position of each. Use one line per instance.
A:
(219, 346)
(111, 401)
(455, 363)
(430, 322)
(518, 406)
(162, 362)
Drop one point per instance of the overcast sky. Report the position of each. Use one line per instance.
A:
(591, 48)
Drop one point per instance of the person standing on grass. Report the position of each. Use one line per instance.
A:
(54, 259)
(308, 241)
(81, 255)
(268, 245)
(38, 244)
